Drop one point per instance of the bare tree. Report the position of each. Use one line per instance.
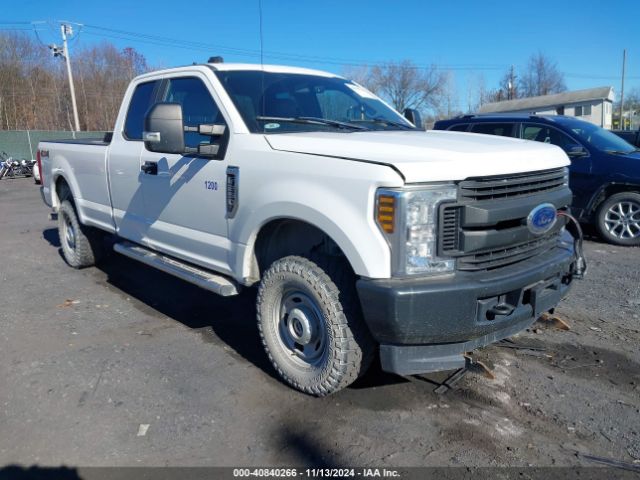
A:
(404, 84)
(449, 104)
(407, 86)
(360, 74)
(34, 93)
(631, 110)
(541, 77)
(482, 93)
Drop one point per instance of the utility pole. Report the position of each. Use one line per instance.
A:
(624, 61)
(511, 85)
(66, 29)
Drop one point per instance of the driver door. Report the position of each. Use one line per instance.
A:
(184, 196)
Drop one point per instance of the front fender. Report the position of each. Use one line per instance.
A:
(345, 218)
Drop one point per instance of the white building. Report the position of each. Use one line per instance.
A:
(593, 104)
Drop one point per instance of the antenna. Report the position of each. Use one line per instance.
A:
(261, 57)
(261, 36)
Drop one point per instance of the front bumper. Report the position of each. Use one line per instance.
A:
(426, 324)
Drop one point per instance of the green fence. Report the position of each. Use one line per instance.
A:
(23, 143)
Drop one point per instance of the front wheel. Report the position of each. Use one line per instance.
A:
(618, 219)
(310, 324)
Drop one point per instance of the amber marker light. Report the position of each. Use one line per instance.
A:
(386, 212)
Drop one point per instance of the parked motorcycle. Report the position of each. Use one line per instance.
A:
(9, 167)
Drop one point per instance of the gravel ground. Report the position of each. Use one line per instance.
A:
(124, 365)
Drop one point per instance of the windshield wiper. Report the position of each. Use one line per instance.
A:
(393, 122)
(389, 122)
(311, 121)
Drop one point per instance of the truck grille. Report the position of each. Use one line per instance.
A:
(505, 256)
(486, 228)
(515, 185)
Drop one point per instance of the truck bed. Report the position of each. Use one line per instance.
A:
(103, 141)
(87, 160)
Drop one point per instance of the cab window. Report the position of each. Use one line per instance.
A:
(460, 127)
(198, 107)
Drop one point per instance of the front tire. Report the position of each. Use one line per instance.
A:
(310, 324)
(618, 219)
(81, 246)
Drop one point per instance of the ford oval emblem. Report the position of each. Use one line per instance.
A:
(541, 219)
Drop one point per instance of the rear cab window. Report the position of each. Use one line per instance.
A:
(141, 101)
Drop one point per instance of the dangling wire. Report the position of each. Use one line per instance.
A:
(581, 263)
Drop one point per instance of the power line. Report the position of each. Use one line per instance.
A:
(173, 42)
(164, 41)
(201, 46)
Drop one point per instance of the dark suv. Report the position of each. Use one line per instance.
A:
(604, 171)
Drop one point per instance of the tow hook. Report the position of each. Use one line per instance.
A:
(501, 309)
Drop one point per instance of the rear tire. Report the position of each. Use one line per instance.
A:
(311, 326)
(618, 219)
(81, 246)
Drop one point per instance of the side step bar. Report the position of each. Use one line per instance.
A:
(204, 279)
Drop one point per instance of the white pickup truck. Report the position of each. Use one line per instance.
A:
(363, 233)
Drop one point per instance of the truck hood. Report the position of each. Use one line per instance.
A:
(427, 156)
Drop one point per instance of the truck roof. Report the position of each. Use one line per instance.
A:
(227, 67)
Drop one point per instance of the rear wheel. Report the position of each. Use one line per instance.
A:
(618, 219)
(310, 324)
(81, 246)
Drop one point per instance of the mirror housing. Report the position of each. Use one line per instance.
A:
(414, 117)
(574, 150)
(163, 129)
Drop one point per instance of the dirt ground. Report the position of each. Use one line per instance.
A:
(124, 365)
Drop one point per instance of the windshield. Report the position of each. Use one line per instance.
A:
(597, 137)
(271, 102)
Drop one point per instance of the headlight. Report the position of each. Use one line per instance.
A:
(409, 220)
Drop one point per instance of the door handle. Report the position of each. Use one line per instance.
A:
(150, 168)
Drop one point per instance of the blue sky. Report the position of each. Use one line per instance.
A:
(473, 38)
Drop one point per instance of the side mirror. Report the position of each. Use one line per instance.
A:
(414, 117)
(574, 151)
(163, 129)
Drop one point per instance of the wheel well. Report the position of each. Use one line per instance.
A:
(609, 190)
(283, 237)
(63, 190)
